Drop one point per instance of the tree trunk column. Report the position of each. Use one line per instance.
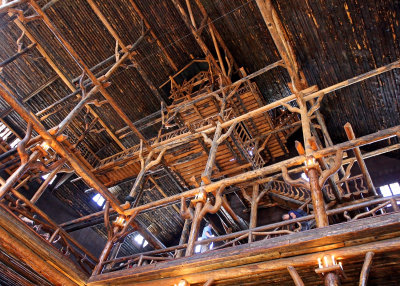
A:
(317, 198)
(253, 213)
(332, 279)
(194, 231)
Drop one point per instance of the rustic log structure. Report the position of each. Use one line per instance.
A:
(194, 142)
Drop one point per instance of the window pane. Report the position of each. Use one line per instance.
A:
(395, 188)
(304, 176)
(96, 197)
(386, 191)
(139, 239)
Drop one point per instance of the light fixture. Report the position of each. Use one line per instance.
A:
(310, 161)
(201, 196)
(120, 220)
(329, 264)
(183, 282)
(45, 145)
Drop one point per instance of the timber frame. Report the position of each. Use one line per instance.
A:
(216, 139)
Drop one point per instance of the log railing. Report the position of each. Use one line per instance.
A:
(353, 186)
(297, 193)
(25, 211)
(288, 227)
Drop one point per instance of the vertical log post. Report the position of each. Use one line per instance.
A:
(365, 269)
(361, 163)
(103, 257)
(332, 279)
(194, 231)
(254, 207)
(321, 217)
(295, 276)
(182, 240)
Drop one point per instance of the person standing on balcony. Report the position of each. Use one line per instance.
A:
(207, 233)
(293, 214)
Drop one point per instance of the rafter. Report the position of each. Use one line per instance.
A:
(146, 23)
(60, 74)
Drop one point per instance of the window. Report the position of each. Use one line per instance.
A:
(44, 177)
(140, 240)
(390, 190)
(197, 249)
(15, 142)
(304, 176)
(98, 199)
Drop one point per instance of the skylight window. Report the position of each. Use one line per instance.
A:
(140, 240)
(304, 176)
(15, 142)
(98, 199)
(390, 190)
(44, 177)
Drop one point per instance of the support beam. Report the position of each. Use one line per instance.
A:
(251, 175)
(363, 167)
(146, 23)
(52, 64)
(75, 163)
(365, 269)
(194, 32)
(295, 276)
(17, 55)
(84, 67)
(46, 183)
(184, 236)
(115, 35)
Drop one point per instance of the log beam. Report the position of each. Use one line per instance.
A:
(61, 75)
(146, 23)
(115, 35)
(85, 68)
(75, 163)
(251, 175)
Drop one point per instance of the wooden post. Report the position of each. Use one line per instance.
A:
(183, 238)
(332, 279)
(295, 276)
(206, 175)
(103, 257)
(254, 209)
(194, 231)
(321, 217)
(363, 167)
(365, 269)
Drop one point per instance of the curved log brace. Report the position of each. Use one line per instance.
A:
(21, 147)
(209, 207)
(300, 182)
(333, 169)
(185, 212)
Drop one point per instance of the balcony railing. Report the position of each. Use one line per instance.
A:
(25, 211)
(375, 207)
